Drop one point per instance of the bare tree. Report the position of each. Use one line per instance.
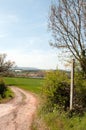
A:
(5, 66)
(67, 22)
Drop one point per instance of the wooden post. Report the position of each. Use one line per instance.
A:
(72, 85)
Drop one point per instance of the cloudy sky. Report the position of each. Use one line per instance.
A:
(24, 34)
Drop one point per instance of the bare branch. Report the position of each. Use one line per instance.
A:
(68, 26)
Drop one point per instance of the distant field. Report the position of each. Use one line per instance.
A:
(33, 85)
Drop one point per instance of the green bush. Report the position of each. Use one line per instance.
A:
(79, 93)
(56, 91)
(3, 88)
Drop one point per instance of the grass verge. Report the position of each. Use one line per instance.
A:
(58, 121)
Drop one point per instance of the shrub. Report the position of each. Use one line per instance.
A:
(3, 88)
(56, 91)
(79, 93)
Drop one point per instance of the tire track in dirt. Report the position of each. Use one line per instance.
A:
(18, 114)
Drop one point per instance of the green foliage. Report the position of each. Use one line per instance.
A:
(56, 90)
(56, 93)
(60, 121)
(3, 88)
(8, 95)
(5, 93)
(80, 93)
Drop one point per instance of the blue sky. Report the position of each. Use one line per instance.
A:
(24, 34)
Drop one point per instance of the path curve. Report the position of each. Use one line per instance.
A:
(18, 113)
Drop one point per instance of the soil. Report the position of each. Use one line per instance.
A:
(18, 113)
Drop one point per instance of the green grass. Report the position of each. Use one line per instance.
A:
(60, 121)
(33, 85)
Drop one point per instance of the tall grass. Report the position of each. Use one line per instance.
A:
(59, 121)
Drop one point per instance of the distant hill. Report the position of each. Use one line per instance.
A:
(25, 68)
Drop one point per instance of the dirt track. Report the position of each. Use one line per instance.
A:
(18, 113)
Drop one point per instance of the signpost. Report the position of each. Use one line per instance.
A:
(72, 85)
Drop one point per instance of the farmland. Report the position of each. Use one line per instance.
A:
(30, 84)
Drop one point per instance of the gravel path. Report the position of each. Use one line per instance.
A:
(18, 113)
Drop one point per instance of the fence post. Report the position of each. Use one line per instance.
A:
(72, 85)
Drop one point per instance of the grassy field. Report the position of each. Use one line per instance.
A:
(33, 85)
